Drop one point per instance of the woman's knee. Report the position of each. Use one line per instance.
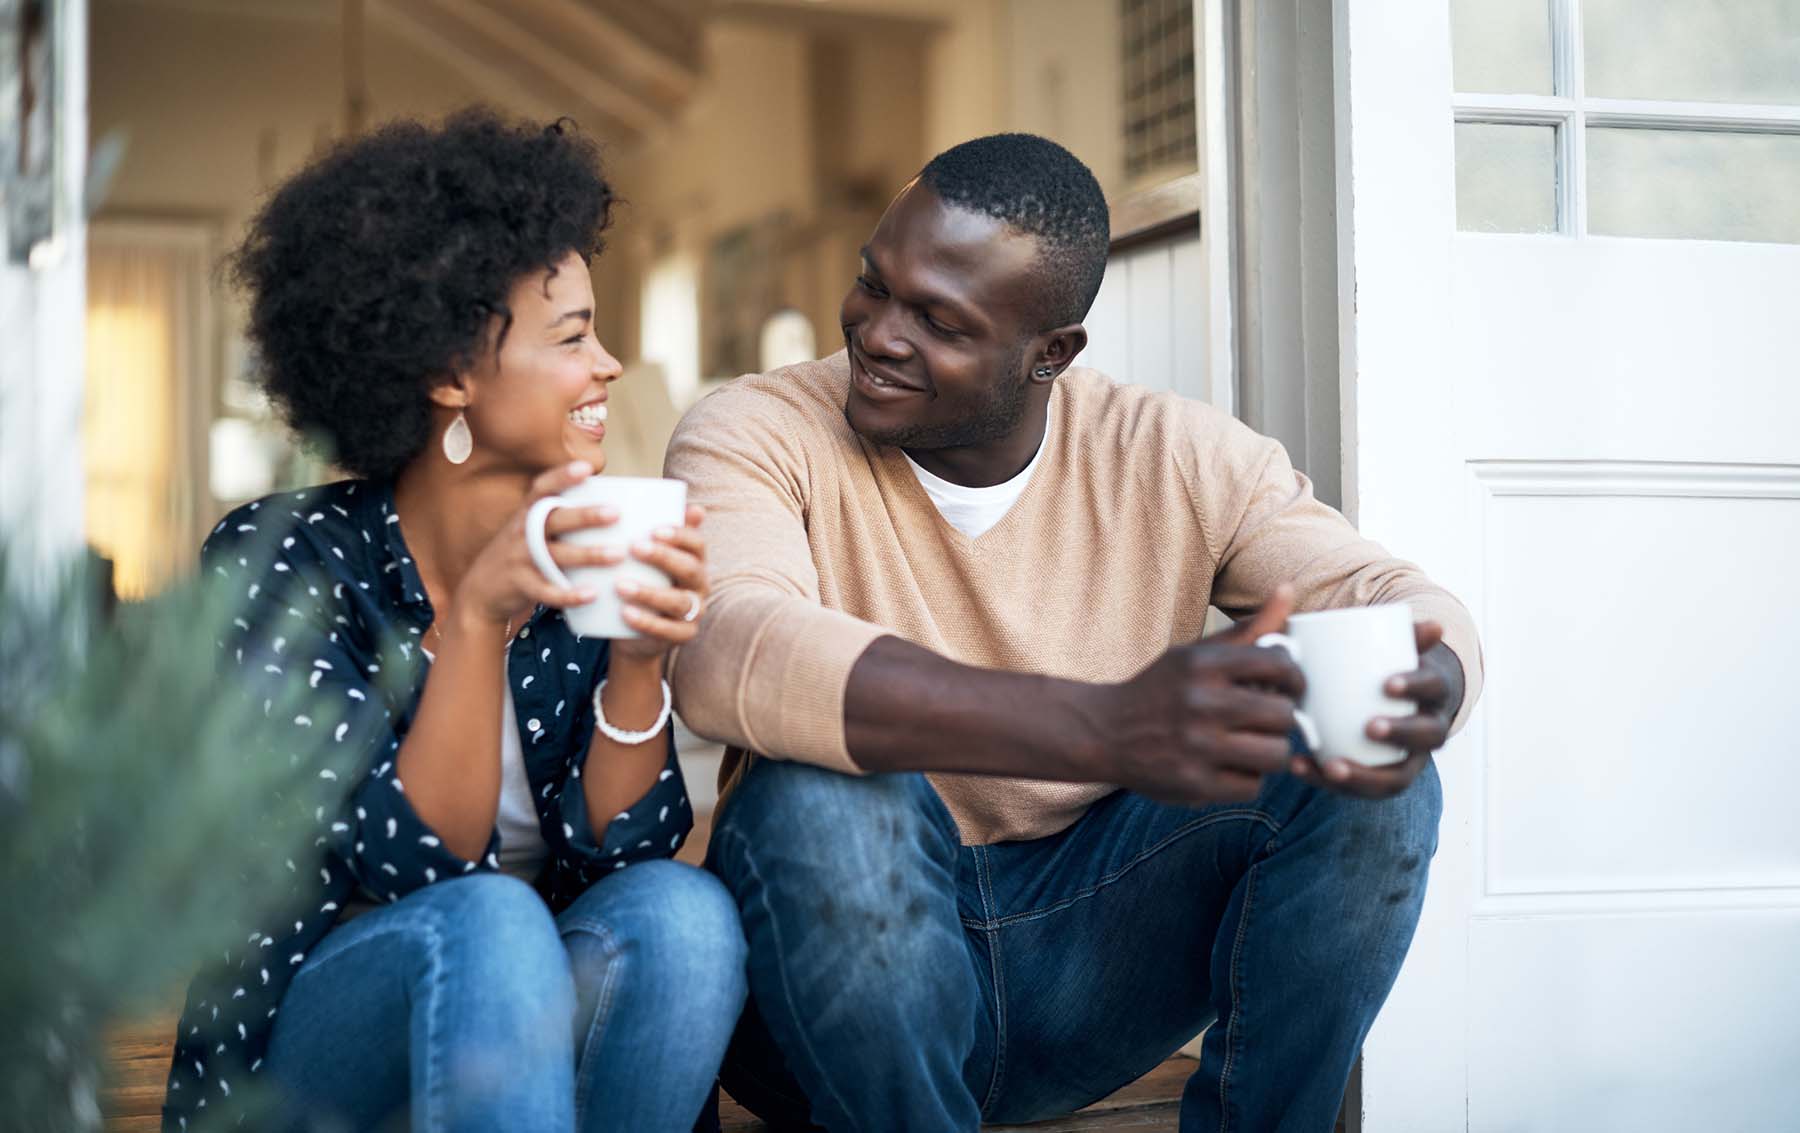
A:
(663, 922)
(495, 932)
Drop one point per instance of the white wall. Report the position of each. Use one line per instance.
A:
(41, 351)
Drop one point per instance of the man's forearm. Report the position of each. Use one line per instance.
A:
(909, 709)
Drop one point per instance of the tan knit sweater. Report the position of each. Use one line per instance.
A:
(1144, 509)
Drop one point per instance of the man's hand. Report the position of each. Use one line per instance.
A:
(1436, 686)
(1205, 722)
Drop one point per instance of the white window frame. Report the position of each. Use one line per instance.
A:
(1572, 112)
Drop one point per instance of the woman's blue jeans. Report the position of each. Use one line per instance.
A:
(467, 1006)
(902, 981)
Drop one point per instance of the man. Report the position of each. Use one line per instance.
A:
(1018, 835)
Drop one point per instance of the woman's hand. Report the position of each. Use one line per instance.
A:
(503, 583)
(667, 616)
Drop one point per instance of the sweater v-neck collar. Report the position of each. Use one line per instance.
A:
(896, 465)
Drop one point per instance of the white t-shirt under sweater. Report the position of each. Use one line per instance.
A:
(973, 511)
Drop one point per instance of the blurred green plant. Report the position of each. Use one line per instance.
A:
(138, 828)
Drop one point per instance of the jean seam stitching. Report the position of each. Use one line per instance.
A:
(602, 1004)
(1109, 879)
(1232, 1036)
(433, 1049)
(985, 885)
(743, 847)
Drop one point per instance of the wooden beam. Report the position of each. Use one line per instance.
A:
(592, 32)
(503, 77)
(498, 23)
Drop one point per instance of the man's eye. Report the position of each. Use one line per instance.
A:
(946, 331)
(869, 285)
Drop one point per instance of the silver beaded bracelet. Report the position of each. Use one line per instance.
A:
(620, 735)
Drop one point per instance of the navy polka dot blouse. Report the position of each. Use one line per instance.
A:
(325, 587)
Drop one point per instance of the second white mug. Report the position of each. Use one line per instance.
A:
(1348, 655)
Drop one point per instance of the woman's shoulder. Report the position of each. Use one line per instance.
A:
(305, 520)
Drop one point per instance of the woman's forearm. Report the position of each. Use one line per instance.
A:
(450, 759)
(617, 774)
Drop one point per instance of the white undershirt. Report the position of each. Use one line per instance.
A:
(522, 848)
(973, 511)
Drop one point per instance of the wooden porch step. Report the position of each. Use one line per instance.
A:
(1148, 1105)
(138, 1060)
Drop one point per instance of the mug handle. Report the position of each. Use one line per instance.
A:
(1309, 731)
(538, 546)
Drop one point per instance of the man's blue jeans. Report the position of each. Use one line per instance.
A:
(467, 1006)
(902, 981)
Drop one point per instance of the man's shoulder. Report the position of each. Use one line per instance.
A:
(1100, 404)
(805, 400)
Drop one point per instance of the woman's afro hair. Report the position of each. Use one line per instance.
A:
(374, 272)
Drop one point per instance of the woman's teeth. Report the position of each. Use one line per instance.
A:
(588, 415)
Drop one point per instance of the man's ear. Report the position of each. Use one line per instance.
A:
(1059, 348)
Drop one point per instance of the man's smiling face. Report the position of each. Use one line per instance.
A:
(936, 326)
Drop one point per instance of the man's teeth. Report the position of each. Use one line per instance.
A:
(589, 415)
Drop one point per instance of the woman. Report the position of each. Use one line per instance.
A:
(494, 937)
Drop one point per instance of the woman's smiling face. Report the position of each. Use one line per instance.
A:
(540, 400)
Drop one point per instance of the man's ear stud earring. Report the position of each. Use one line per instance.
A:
(1043, 371)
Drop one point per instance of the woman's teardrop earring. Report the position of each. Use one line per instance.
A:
(458, 441)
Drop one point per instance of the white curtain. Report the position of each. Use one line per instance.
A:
(148, 382)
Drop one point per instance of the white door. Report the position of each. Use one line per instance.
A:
(1571, 312)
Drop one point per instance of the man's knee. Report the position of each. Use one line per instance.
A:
(796, 819)
(1383, 847)
(849, 880)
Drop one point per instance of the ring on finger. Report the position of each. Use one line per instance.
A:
(693, 607)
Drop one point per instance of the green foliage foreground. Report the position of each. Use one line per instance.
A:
(140, 828)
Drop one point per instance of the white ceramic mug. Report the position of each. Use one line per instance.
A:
(1347, 656)
(643, 504)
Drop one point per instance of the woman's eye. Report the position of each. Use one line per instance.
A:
(869, 285)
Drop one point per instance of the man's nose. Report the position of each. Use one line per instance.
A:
(883, 335)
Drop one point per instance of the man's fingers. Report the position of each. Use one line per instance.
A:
(1421, 686)
(1241, 709)
(1225, 785)
(1247, 664)
(1426, 634)
(1409, 733)
(1346, 778)
(1272, 618)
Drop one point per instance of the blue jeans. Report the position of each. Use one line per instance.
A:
(902, 981)
(467, 1006)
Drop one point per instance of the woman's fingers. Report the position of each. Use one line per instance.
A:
(542, 591)
(571, 555)
(668, 601)
(561, 478)
(683, 568)
(566, 519)
(686, 539)
(675, 631)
